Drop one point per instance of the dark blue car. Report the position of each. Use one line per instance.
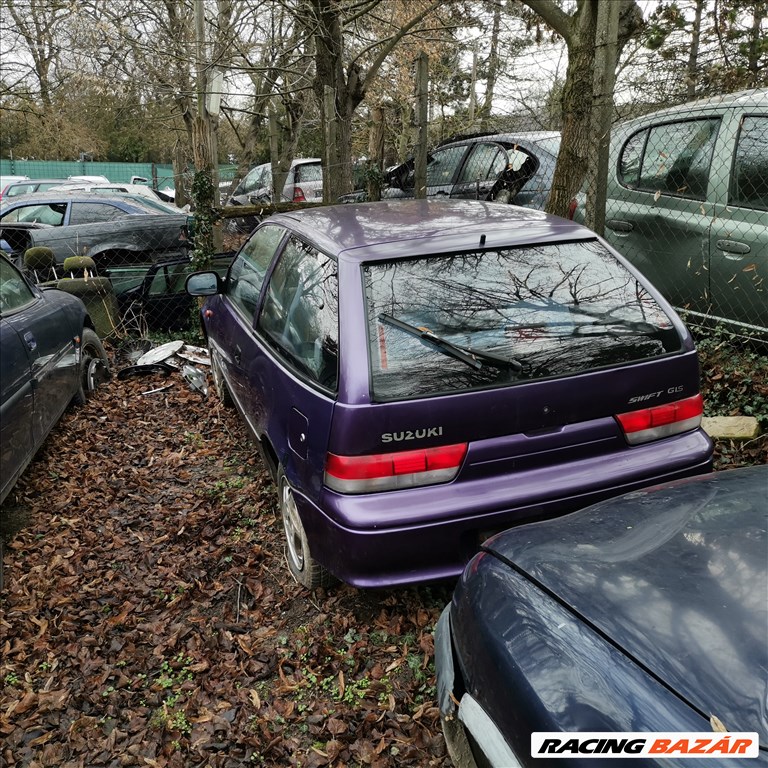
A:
(49, 356)
(642, 614)
(421, 373)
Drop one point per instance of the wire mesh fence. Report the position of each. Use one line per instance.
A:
(686, 202)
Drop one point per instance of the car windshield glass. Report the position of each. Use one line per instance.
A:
(494, 318)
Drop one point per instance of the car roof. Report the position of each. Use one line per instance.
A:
(754, 97)
(367, 231)
(67, 195)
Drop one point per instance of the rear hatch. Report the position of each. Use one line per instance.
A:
(528, 357)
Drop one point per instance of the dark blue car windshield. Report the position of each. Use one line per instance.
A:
(493, 318)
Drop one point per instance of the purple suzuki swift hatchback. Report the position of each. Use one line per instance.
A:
(421, 374)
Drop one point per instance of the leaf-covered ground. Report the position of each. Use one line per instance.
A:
(149, 619)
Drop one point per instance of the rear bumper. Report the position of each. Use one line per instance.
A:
(428, 534)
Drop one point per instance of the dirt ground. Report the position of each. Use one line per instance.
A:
(149, 618)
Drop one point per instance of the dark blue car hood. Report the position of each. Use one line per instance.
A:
(676, 578)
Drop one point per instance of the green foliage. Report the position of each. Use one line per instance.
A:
(734, 376)
(204, 197)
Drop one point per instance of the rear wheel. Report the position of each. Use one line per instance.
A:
(304, 568)
(94, 365)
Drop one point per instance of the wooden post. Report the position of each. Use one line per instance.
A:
(606, 37)
(375, 153)
(422, 107)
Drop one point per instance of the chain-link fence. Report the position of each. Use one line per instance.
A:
(687, 203)
(686, 191)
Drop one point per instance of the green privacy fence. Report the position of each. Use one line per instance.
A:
(158, 175)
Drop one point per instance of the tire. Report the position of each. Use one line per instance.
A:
(94, 365)
(222, 390)
(304, 568)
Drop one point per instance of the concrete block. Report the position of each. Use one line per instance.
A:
(731, 427)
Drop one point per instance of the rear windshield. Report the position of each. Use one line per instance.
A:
(495, 318)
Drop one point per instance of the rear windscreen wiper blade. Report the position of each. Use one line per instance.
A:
(468, 356)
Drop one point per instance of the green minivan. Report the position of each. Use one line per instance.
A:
(687, 203)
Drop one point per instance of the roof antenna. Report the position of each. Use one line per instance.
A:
(482, 239)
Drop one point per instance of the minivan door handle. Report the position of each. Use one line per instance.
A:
(734, 248)
(617, 225)
(238, 355)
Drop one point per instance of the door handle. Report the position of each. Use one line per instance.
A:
(733, 249)
(30, 341)
(238, 355)
(617, 225)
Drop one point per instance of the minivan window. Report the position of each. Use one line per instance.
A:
(671, 158)
(494, 318)
(309, 172)
(300, 316)
(749, 182)
(248, 270)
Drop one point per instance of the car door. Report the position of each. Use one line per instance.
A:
(297, 384)
(480, 171)
(657, 214)
(42, 385)
(239, 354)
(16, 397)
(443, 166)
(739, 237)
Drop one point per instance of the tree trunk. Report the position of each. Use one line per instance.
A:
(693, 54)
(578, 31)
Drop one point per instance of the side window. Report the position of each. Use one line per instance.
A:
(300, 316)
(14, 292)
(443, 164)
(486, 161)
(631, 159)
(169, 279)
(248, 270)
(309, 172)
(52, 214)
(749, 181)
(676, 158)
(87, 213)
(252, 180)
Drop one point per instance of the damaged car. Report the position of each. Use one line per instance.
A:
(51, 356)
(111, 230)
(503, 167)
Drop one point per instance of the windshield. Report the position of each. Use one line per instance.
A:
(519, 313)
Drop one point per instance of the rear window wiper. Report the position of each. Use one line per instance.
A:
(470, 357)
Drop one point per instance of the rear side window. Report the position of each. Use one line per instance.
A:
(300, 316)
(672, 158)
(495, 318)
(88, 213)
(248, 270)
(749, 182)
(309, 172)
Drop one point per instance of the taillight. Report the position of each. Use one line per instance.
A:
(572, 206)
(298, 195)
(662, 420)
(390, 471)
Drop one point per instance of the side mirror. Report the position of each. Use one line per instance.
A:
(204, 284)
